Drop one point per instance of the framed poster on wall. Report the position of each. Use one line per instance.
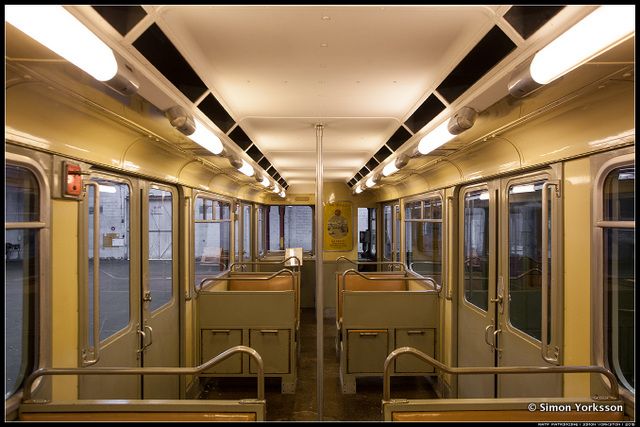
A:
(338, 226)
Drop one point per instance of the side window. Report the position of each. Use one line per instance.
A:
(23, 223)
(618, 280)
(423, 236)
(476, 248)
(212, 236)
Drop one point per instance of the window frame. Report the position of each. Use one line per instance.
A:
(268, 253)
(438, 194)
(599, 298)
(42, 294)
(192, 225)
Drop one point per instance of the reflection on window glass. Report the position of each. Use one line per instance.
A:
(160, 247)
(289, 227)
(387, 220)
(114, 257)
(246, 224)
(367, 234)
(423, 238)
(397, 234)
(476, 248)
(525, 257)
(619, 275)
(212, 239)
(21, 276)
(260, 231)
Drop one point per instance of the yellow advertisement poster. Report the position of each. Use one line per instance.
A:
(338, 226)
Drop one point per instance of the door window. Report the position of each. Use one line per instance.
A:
(160, 247)
(476, 248)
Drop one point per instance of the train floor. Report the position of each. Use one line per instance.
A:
(365, 405)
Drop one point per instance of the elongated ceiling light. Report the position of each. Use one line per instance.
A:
(393, 167)
(358, 189)
(242, 166)
(57, 29)
(372, 181)
(435, 138)
(264, 181)
(598, 31)
(276, 189)
(205, 138)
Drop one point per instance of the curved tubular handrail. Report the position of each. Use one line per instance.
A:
(297, 264)
(231, 278)
(150, 371)
(386, 394)
(432, 282)
(344, 258)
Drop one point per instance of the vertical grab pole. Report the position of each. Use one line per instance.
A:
(96, 275)
(545, 273)
(319, 283)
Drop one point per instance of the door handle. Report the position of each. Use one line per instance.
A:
(150, 329)
(96, 277)
(144, 338)
(486, 336)
(495, 339)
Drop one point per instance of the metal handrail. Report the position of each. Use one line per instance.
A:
(386, 394)
(343, 258)
(544, 348)
(298, 262)
(149, 371)
(231, 278)
(96, 275)
(432, 282)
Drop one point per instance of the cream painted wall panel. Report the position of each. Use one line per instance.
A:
(577, 281)
(149, 158)
(64, 295)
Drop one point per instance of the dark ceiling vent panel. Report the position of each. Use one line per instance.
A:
(430, 108)
(122, 18)
(276, 175)
(240, 138)
(372, 163)
(264, 163)
(359, 176)
(382, 154)
(270, 170)
(218, 115)
(255, 153)
(398, 138)
(160, 52)
(352, 182)
(364, 171)
(484, 56)
(282, 182)
(526, 20)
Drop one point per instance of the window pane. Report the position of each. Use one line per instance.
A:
(525, 257)
(290, 227)
(260, 231)
(236, 234)
(424, 248)
(413, 210)
(476, 248)
(114, 257)
(246, 246)
(619, 281)
(372, 227)
(397, 234)
(21, 198)
(387, 219)
(433, 208)
(211, 249)
(619, 195)
(160, 247)
(21, 284)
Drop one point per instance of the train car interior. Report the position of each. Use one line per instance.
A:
(420, 213)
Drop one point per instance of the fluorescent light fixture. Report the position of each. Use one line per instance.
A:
(435, 138)
(106, 188)
(57, 29)
(524, 188)
(276, 189)
(600, 30)
(246, 168)
(393, 167)
(205, 138)
(358, 189)
(372, 181)
(265, 182)
(283, 194)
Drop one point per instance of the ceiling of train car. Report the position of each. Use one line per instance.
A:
(375, 76)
